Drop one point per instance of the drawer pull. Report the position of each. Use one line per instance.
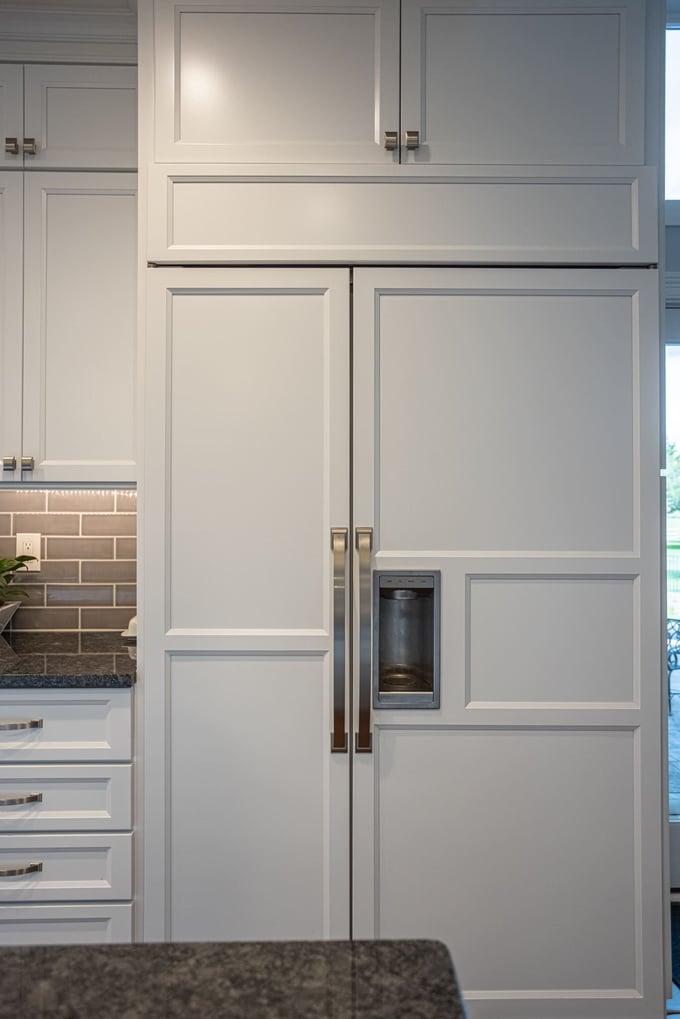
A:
(30, 868)
(13, 800)
(10, 724)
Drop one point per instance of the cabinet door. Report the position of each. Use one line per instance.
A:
(534, 83)
(11, 113)
(11, 248)
(81, 116)
(79, 326)
(248, 391)
(506, 435)
(275, 81)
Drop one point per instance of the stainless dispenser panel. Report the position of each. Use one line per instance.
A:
(406, 628)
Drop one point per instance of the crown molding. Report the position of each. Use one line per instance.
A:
(80, 32)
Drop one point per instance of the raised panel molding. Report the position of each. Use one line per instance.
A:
(515, 215)
(559, 641)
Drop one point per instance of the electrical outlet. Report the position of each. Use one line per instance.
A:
(29, 544)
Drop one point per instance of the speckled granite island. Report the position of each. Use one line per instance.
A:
(272, 980)
(65, 659)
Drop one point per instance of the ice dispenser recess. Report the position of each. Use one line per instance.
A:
(406, 626)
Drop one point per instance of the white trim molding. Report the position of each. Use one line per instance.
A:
(69, 32)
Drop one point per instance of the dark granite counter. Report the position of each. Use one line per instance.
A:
(58, 659)
(265, 980)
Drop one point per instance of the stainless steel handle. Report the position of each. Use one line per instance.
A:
(391, 140)
(339, 741)
(30, 147)
(12, 146)
(27, 463)
(363, 741)
(11, 724)
(9, 463)
(412, 139)
(30, 868)
(13, 800)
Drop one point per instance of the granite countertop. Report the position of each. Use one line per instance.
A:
(68, 659)
(257, 980)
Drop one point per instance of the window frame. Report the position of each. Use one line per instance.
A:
(672, 205)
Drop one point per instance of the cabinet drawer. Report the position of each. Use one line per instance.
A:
(66, 925)
(80, 797)
(73, 867)
(76, 725)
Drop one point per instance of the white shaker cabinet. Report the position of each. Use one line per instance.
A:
(68, 328)
(55, 116)
(65, 816)
(375, 82)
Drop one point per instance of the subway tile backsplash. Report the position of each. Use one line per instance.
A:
(88, 569)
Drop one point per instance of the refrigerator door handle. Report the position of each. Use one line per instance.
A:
(363, 742)
(339, 741)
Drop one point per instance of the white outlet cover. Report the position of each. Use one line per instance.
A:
(29, 544)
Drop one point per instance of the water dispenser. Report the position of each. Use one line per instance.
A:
(406, 626)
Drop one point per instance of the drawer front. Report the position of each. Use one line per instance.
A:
(80, 797)
(65, 867)
(66, 925)
(75, 725)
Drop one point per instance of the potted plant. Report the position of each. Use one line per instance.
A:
(10, 594)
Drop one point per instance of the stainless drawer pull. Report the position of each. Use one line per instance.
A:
(14, 800)
(10, 724)
(30, 868)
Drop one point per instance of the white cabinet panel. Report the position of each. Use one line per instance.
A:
(11, 113)
(267, 838)
(518, 825)
(559, 353)
(274, 81)
(539, 640)
(79, 326)
(11, 321)
(78, 797)
(535, 83)
(77, 725)
(81, 116)
(73, 867)
(608, 216)
(108, 923)
(262, 361)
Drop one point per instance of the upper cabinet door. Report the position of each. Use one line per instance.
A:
(79, 326)
(11, 115)
(277, 81)
(81, 117)
(537, 82)
(11, 286)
